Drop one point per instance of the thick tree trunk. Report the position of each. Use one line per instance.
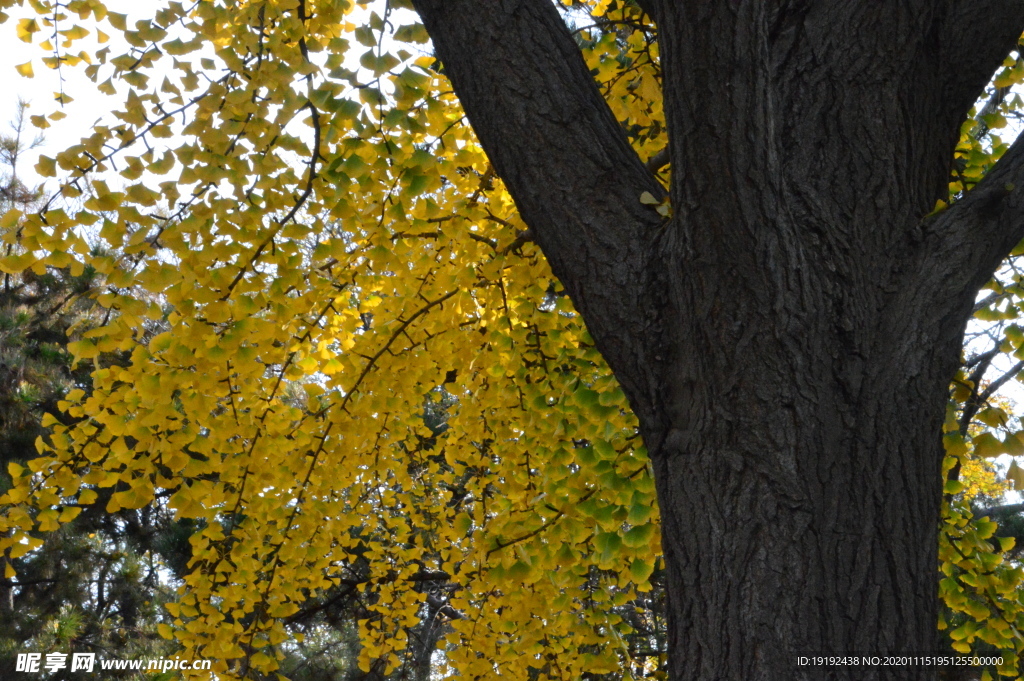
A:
(788, 338)
(800, 515)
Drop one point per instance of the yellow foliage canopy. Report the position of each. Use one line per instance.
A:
(315, 259)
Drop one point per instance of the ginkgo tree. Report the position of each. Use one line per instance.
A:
(747, 203)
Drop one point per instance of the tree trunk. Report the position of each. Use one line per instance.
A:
(788, 338)
(800, 516)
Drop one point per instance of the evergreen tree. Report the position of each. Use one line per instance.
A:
(97, 584)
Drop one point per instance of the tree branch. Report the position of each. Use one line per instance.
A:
(659, 160)
(649, 7)
(562, 154)
(975, 37)
(971, 237)
(1008, 509)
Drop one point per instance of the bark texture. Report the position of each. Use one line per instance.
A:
(787, 339)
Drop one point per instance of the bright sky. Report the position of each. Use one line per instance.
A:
(89, 104)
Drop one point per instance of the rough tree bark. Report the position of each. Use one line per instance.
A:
(788, 337)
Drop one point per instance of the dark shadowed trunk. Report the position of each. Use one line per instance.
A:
(788, 337)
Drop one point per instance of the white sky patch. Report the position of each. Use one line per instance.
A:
(89, 105)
